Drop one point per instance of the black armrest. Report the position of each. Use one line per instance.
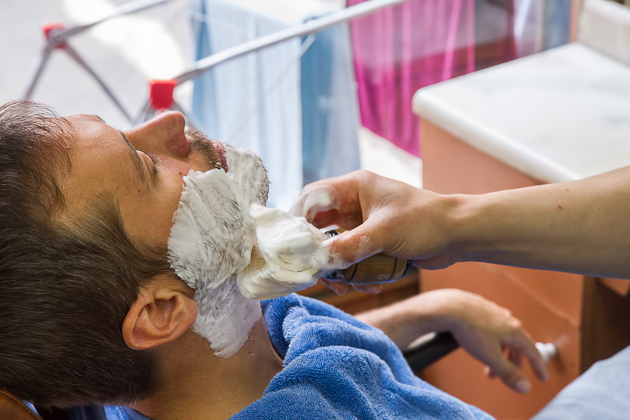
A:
(92, 412)
(430, 351)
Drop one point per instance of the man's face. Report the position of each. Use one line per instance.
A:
(142, 168)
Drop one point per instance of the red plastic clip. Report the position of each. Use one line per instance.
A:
(161, 93)
(47, 28)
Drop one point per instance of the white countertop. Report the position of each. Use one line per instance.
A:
(559, 115)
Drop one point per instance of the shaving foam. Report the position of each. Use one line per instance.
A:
(289, 255)
(314, 200)
(232, 250)
(211, 242)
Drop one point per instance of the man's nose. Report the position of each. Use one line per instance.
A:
(163, 134)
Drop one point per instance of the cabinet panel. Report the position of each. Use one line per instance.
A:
(605, 325)
(450, 166)
(461, 375)
(621, 287)
(561, 293)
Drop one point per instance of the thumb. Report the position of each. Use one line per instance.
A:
(354, 245)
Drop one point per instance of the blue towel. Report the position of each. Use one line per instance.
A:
(337, 367)
(298, 113)
(330, 109)
(252, 101)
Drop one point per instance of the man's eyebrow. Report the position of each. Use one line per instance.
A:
(136, 159)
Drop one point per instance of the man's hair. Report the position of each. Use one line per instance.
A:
(65, 289)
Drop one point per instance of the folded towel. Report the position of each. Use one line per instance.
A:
(337, 367)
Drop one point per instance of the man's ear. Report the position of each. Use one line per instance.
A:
(163, 311)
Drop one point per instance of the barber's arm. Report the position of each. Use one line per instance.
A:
(487, 331)
(581, 226)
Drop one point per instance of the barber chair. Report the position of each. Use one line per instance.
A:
(418, 356)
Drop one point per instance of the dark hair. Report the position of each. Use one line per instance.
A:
(65, 289)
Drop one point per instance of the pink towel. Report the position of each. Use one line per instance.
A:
(401, 49)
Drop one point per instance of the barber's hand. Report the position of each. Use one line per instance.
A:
(384, 215)
(492, 335)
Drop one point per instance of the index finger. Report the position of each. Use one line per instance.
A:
(527, 348)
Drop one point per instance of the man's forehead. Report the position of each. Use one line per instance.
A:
(91, 141)
(87, 126)
(100, 159)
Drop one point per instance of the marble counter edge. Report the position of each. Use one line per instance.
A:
(499, 146)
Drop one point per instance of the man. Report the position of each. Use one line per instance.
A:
(92, 312)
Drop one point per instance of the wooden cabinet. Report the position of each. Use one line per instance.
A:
(587, 319)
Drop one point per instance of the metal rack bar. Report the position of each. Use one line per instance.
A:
(126, 9)
(310, 27)
(306, 28)
(58, 36)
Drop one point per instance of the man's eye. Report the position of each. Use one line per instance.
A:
(151, 159)
(155, 167)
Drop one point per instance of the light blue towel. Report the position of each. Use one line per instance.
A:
(253, 101)
(337, 367)
(298, 113)
(330, 109)
(123, 413)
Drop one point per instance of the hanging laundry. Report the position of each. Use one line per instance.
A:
(399, 50)
(541, 25)
(296, 110)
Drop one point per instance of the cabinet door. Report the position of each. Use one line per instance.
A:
(450, 165)
(462, 376)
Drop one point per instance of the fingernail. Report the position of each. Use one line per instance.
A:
(374, 289)
(523, 386)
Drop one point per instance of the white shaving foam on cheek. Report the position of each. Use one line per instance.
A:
(211, 241)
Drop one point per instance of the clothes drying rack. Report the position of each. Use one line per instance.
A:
(57, 36)
(161, 91)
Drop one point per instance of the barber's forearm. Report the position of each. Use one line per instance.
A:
(581, 226)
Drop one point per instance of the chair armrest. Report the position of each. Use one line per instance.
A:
(430, 351)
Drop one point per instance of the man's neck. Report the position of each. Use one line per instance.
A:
(195, 384)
